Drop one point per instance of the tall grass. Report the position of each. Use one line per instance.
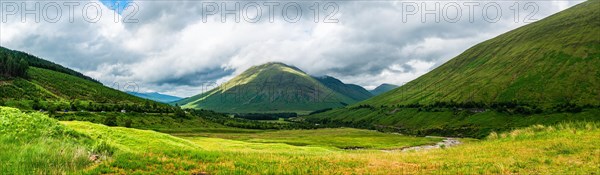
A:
(546, 130)
(33, 143)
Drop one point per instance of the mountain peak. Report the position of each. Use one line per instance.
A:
(274, 63)
(276, 87)
(327, 77)
(277, 66)
(383, 88)
(353, 91)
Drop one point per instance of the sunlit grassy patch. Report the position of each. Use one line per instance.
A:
(343, 138)
(35, 144)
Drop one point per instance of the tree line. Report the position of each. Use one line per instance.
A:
(225, 120)
(77, 105)
(510, 107)
(11, 66)
(266, 116)
(177, 118)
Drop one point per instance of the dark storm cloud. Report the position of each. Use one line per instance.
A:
(207, 76)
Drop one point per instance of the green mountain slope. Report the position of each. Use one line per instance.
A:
(545, 72)
(353, 91)
(383, 88)
(41, 63)
(48, 83)
(269, 88)
(45, 84)
(552, 61)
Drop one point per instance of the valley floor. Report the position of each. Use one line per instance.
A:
(569, 148)
(538, 149)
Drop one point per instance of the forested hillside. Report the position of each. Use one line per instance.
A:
(33, 61)
(28, 82)
(12, 67)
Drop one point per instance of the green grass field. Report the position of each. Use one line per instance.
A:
(35, 144)
(45, 146)
(342, 138)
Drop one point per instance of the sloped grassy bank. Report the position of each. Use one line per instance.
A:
(32, 143)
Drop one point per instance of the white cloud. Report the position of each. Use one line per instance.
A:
(171, 50)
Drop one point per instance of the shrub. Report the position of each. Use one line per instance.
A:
(320, 111)
(110, 121)
(493, 136)
(128, 122)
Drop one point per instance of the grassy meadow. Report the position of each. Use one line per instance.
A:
(46, 146)
(342, 138)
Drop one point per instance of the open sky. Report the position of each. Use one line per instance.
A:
(176, 47)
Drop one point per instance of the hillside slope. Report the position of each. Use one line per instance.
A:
(34, 61)
(47, 82)
(353, 91)
(269, 88)
(542, 73)
(552, 61)
(33, 143)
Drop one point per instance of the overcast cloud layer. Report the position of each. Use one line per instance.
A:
(171, 50)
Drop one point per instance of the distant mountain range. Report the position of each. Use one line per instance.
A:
(163, 98)
(353, 91)
(383, 88)
(277, 88)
